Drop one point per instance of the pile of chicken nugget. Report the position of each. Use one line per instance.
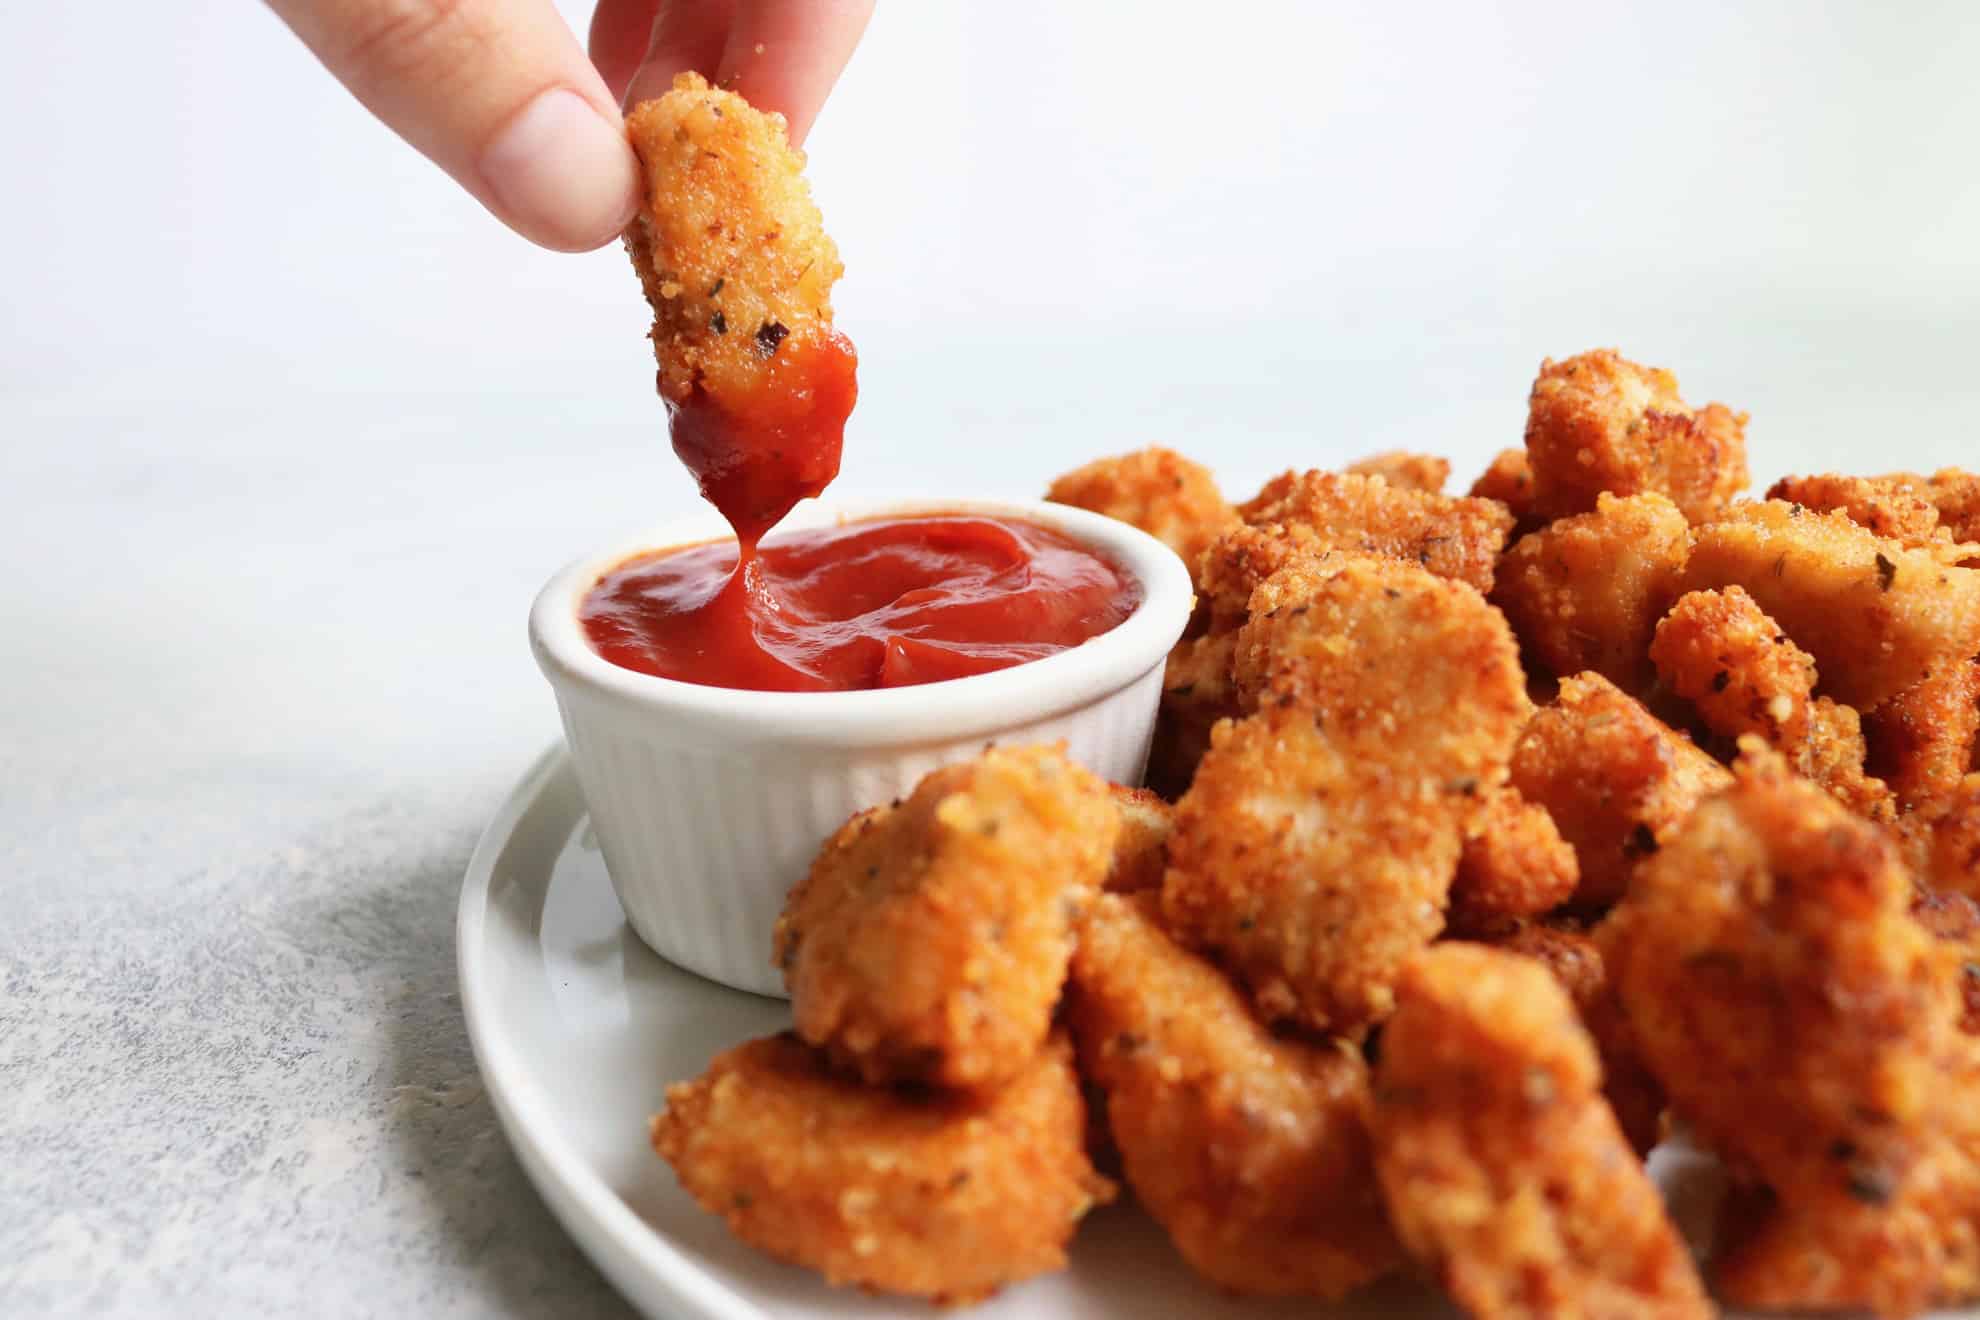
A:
(1495, 839)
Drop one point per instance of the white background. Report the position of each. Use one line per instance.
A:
(290, 431)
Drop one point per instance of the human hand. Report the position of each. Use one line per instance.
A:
(498, 93)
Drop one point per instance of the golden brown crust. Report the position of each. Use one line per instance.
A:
(1924, 740)
(1509, 480)
(1600, 423)
(1196, 692)
(1313, 875)
(1954, 858)
(1585, 592)
(1956, 495)
(1503, 1168)
(1452, 536)
(1575, 959)
(1617, 781)
(1252, 1151)
(930, 940)
(1955, 919)
(947, 1197)
(1141, 849)
(1404, 470)
(1166, 495)
(1805, 1026)
(1236, 562)
(1514, 864)
(1892, 507)
(1402, 664)
(728, 244)
(1877, 617)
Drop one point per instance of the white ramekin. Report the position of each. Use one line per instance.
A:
(709, 803)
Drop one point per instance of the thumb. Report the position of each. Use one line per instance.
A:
(495, 92)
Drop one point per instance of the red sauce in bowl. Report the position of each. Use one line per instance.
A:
(884, 603)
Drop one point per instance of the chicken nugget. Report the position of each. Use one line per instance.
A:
(1806, 1027)
(1877, 617)
(1721, 652)
(1503, 1168)
(736, 264)
(1313, 874)
(1158, 490)
(1924, 740)
(1404, 470)
(1514, 864)
(1243, 557)
(1585, 592)
(930, 939)
(1452, 536)
(1141, 848)
(1600, 423)
(947, 1196)
(1616, 780)
(1956, 495)
(1575, 958)
(1402, 663)
(1509, 481)
(1250, 1150)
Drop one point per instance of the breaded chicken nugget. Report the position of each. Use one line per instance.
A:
(1585, 592)
(1141, 849)
(1515, 864)
(947, 1196)
(1509, 480)
(1197, 691)
(1601, 423)
(1245, 556)
(1892, 507)
(1924, 740)
(1806, 1026)
(1955, 918)
(1403, 664)
(1252, 1151)
(1452, 536)
(1404, 470)
(1876, 616)
(737, 266)
(1158, 490)
(1720, 651)
(1575, 959)
(1615, 779)
(1312, 873)
(1503, 1168)
(930, 940)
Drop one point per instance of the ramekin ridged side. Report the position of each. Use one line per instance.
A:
(709, 803)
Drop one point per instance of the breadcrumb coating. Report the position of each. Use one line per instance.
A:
(1311, 873)
(1404, 470)
(942, 1196)
(1504, 1169)
(1402, 664)
(1806, 1027)
(1509, 480)
(1955, 919)
(1141, 849)
(1954, 860)
(1892, 507)
(1236, 562)
(1575, 959)
(1514, 864)
(1250, 1150)
(1166, 495)
(1616, 780)
(1956, 494)
(1586, 592)
(930, 939)
(1877, 617)
(1924, 740)
(1452, 536)
(1197, 691)
(1599, 423)
(727, 241)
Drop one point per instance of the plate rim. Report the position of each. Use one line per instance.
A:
(637, 1261)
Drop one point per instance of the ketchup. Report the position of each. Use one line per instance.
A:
(885, 603)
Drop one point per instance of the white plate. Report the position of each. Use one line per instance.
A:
(578, 1029)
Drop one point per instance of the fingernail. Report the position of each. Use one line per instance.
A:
(562, 173)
